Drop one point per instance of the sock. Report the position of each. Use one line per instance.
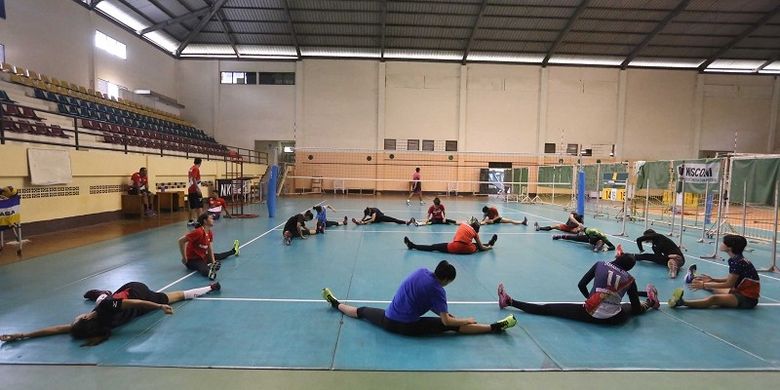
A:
(334, 302)
(495, 327)
(196, 292)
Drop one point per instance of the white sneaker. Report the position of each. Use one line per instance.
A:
(422, 203)
(407, 202)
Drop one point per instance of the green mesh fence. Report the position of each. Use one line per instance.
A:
(760, 176)
(595, 173)
(556, 174)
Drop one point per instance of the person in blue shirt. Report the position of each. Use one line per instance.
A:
(422, 291)
(322, 218)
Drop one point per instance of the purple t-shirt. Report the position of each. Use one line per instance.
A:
(418, 294)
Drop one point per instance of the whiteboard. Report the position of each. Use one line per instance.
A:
(49, 166)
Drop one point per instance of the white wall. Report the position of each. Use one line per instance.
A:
(339, 104)
(502, 105)
(57, 38)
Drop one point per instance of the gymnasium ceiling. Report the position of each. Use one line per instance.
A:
(708, 35)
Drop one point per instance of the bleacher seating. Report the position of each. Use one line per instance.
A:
(117, 122)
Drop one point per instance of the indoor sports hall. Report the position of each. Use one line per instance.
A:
(571, 154)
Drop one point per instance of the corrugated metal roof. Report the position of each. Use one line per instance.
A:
(436, 29)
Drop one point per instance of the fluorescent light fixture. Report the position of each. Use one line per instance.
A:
(712, 70)
(773, 66)
(162, 40)
(505, 57)
(207, 55)
(424, 55)
(121, 16)
(771, 71)
(204, 49)
(142, 92)
(586, 60)
(261, 50)
(335, 52)
(666, 63)
(269, 57)
(736, 64)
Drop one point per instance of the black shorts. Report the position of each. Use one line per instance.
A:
(422, 327)
(136, 191)
(497, 220)
(744, 302)
(196, 200)
(141, 291)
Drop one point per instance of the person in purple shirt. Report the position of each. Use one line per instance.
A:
(422, 291)
(611, 281)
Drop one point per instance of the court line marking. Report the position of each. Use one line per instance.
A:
(239, 247)
(337, 230)
(634, 241)
(716, 337)
(301, 300)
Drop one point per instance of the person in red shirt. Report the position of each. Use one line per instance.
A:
(491, 216)
(139, 185)
(466, 241)
(217, 206)
(415, 186)
(197, 253)
(194, 195)
(436, 215)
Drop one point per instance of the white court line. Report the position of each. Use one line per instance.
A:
(297, 300)
(334, 230)
(239, 247)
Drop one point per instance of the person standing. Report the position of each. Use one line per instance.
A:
(416, 186)
(194, 195)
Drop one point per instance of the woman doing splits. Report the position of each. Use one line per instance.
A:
(112, 310)
(602, 304)
(463, 242)
(422, 291)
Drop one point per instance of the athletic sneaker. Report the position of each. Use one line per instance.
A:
(411, 221)
(93, 295)
(673, 269)
(345, 220)
(557, 236)
(677, 298)
(215, 286)
(493, 240)
(690, 274)
(536, 226)
(213, 268)
(355, 221)
(236, 247)
(328, 296)
(422, 203)
(407, 242)
(150, 213)
(525, 221)
(507, 322)
(190, 223)
(652, 296)
(408, 203)
(504, 299)
(599, 246)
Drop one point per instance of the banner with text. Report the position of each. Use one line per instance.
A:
(699, 172)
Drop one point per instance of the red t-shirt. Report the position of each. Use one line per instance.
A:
(462, 242)
(198, 242)
(416, 176)
(216, 202)
(436, 212)
(492, 213)
(140, 182)
(193, 179)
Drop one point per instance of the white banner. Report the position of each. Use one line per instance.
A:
(699, 172)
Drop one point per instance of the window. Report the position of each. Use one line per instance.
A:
(108, 88)
(549, 147)
(413, 144)
(572, 149)
(288, 149)
(110, 45)
(276, 78)
(389, 144)
(427, 145)
(451, 146)
(233, 78)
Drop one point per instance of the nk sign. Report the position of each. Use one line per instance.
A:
(699, 172)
